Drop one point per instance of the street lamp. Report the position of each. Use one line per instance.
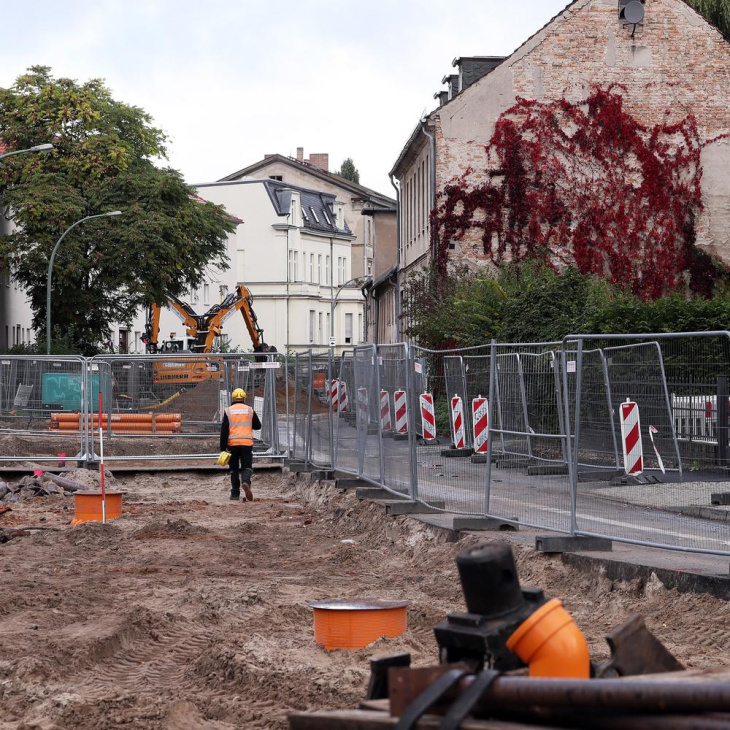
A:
(334, 302)
(50, 268)
(36, 148)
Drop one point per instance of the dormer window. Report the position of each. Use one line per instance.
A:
(314, 213)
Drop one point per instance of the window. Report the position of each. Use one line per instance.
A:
(327, 319)
(314, 213)
(292, 266)
(360, 335)
(275, 177)
(206, 293)
(137, 342)
(319, 269)
(319, 328)
(348, 328)
(327, 270)
(311, 325)
(341, 270)
(311, 267)
(370, 267)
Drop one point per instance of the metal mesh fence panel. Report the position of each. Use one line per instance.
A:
(395, 417)
(528, 475)
(302, 386)
(43, 408)
(668, 408)
(345, 425)
(368, 414)
(170, 407)
(320, 409)
(446, 479)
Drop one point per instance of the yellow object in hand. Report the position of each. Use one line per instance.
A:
(223, 458)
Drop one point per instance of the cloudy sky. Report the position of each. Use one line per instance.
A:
(232, 80)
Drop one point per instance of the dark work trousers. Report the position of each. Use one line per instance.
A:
(241, 466)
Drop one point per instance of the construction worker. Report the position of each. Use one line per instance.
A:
(239, 423)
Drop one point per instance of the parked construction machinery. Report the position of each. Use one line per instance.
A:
(201, 331)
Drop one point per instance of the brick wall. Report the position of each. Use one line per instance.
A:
(676, 64)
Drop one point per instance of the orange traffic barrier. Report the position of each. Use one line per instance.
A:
(88, 506)
(355, 624)
(551, 644)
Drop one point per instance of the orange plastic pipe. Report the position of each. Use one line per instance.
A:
(551, 644)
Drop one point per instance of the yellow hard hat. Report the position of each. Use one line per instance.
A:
(238, 394)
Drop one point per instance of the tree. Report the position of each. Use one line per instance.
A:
(349, 171)
(107, 268)
(716, 12)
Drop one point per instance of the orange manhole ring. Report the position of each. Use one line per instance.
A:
(343, 624)
(87, 506)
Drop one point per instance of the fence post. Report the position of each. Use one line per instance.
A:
(412, 417)
(490, 423)
(571, 444)
(722, 420)
(376, 366)
(308, 425)
(523, 396)
(330, 417)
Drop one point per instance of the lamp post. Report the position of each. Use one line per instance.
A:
(36, 148)
(50, 269)
(334, 303)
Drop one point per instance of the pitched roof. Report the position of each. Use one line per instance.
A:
(359, 191)
(319, 214)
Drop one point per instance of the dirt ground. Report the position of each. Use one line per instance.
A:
(190, 611)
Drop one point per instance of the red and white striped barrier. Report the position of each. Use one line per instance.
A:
(344, 399)
(428, 416)
(457, 421)
(400, 403)
(631, 438)
(334, 389)
(362, 405)
(480, 411)
(385, 423)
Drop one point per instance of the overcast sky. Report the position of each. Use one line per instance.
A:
(232, 80)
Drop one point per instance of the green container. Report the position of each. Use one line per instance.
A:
(62, 391)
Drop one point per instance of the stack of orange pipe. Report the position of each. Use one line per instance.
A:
(122, 422)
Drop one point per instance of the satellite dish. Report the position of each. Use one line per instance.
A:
(634, 12)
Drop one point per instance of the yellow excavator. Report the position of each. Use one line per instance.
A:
(201, 329)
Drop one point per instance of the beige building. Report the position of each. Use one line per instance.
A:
(313, 173)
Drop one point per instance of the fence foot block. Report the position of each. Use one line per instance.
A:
(478, 459)
(465, 522)
(400, 437)
(373, 493)
(350, 483)
(572, 544)
(547, 470)
(517, 462)
(298, 466)
(720, 498)
(323, 474)
(410, 507)
(453, 453)
(625, 479)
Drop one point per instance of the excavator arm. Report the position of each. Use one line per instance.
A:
(238, 301)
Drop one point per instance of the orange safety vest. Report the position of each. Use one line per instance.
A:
(240, 430)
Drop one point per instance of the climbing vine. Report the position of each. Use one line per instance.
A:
(585, 184)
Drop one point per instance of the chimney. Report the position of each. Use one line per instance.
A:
(300, 154)
(320, 160)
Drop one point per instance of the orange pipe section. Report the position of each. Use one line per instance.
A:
(355, 629)
(87, 506)
(551, 644)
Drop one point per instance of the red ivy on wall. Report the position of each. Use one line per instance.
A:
(586, 184)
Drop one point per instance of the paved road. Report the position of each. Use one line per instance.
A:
(632, 512)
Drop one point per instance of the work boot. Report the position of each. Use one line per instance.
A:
(235, 496)
(247, 492)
